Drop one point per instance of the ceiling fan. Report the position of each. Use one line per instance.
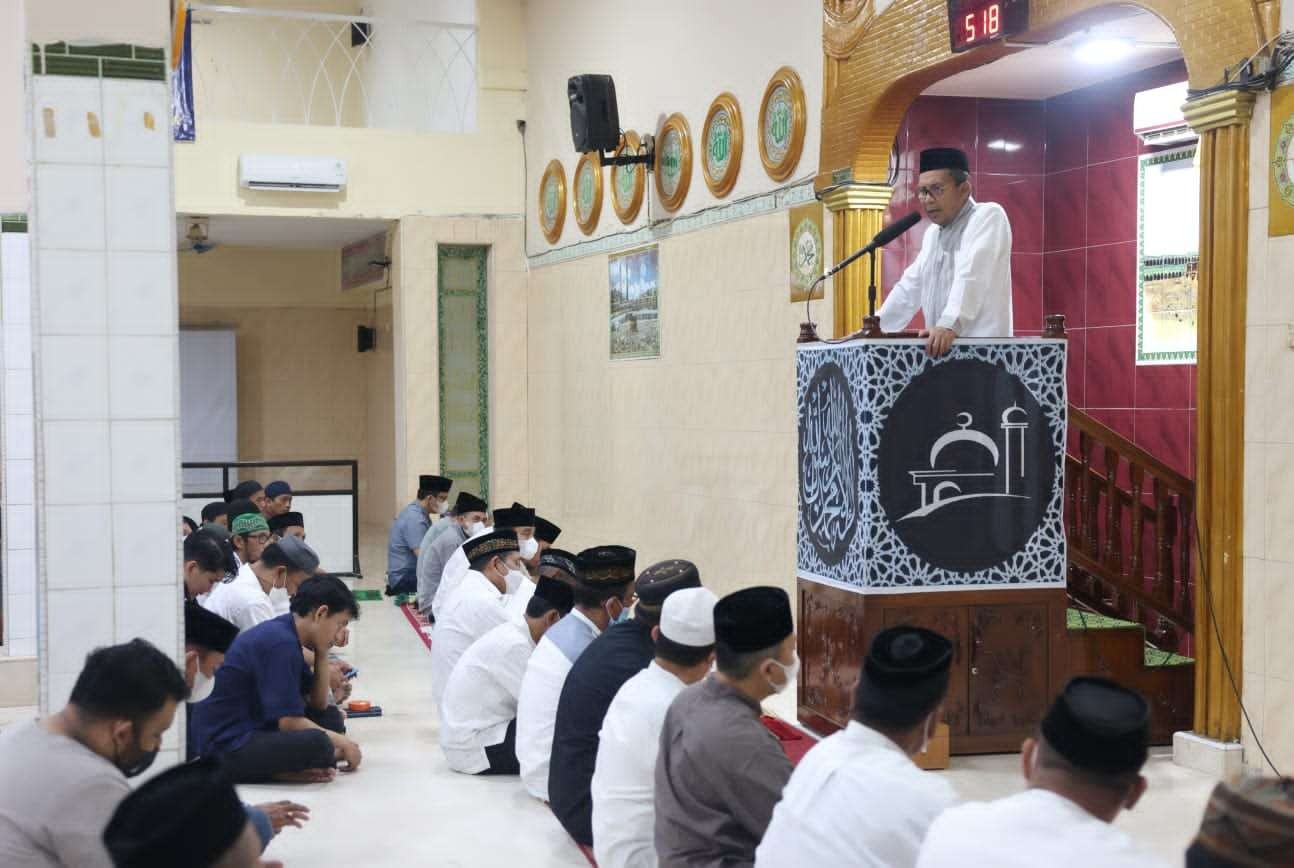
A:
(195, 239)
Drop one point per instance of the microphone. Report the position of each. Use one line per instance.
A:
(885, 236)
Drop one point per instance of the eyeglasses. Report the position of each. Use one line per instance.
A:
(934, 191)
(261, 537)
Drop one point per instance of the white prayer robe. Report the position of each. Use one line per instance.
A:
(481, 697)
(855, 799)
(961, 279)
(519, 599)
(541, 689)
(624, 778)
(1033, 828)
(455, 569)
(477, 608)
(241, 601)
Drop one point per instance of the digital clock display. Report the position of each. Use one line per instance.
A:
(976, 22)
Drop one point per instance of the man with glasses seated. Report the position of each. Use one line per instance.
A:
(961, 279)
(247, 599)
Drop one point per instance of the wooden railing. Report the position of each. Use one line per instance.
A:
(1130, 521)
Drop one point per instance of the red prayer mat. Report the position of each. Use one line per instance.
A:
(417, 621)
(795, 743)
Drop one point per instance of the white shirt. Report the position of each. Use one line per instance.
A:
(961, 279)
(519, 599)
(1033, 828)
(624, 779)
(281, 602)
(477, 608)
(855, 799)
(540, 691)
(481, 697)
(241, 601)
(455, 569)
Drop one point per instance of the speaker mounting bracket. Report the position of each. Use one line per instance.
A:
(647, 158)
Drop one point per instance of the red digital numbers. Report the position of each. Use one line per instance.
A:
(984, 24)
(974, 22)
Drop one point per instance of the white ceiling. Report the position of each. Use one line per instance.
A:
(281, 232)
(1049, 70)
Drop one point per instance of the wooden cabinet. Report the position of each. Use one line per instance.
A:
(1009, 656)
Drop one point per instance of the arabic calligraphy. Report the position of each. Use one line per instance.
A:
(829, 463)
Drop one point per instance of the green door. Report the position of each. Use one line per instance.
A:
(464, 376)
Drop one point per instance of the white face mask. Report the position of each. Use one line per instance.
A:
(477, 528)
(514, 580)
(203, 684)
(789, 672)
(528, 548)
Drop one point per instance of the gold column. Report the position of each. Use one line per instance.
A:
(1222, 122)
(858, 213)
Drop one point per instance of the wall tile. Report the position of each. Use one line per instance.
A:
(1076, 368)
(1064, 286)
(59, 687)
(1280, 503)
(19, 433)
(1112, 285)
(78, 546)
(69, 207)
(1256, 304)
(1278, 723)
(141, 293)
(144, 463)
(1277, 611)
(76, 462)
(18, 391)
(1166, 434)
(148, 613)
(73, 293)
(1253, 689)
(21, 571)
(143, 555)
(1255, 501)
(20, 524)
(136, 123)
(1112, 202)
(142, 380)
(1109, 132)
(941, 122)
(74, 377)
(20, 617)
(1279, 296)
(1021, 197)
(1110, 366)
(1066, 120)
(1259, 158)
(1026, 291)
(1065, 211)
(1166, 387)
(1119, 421)
(78, 622)
(1014, 122)
(17, 346)
(1276, 388)
(15, 277)
(25, 647)
(68, 119)
(141, 214)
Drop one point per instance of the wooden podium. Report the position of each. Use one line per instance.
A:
(931, 493)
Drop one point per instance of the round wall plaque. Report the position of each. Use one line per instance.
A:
(628, 182)
(587, 195)
(781, 124)
(552, 201)
(721, 145)
(1283, 161)
(673, 161)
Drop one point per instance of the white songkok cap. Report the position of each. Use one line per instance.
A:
(688, 617)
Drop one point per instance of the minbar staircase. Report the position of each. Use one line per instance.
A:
(1130, 522)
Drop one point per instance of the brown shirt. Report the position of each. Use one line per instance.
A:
(719, 774)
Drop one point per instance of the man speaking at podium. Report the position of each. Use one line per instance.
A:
(961, 279)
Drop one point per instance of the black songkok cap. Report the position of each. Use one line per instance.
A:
(606, 566)
(243, 490)
(1100, 726)
(933, 159)
(546, 531)
(500, 542)
(560, 560)
(187, 815)
(514, 516)
(1249, 821)
(469, 503)
(287, 519)
(660, 580)
(206, 629)
(753, 619)
(435, 484)
(557, 592)
(905, 674)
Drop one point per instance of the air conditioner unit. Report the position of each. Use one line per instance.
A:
(273, 172)
(1157, 117)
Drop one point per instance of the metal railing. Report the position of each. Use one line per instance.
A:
(288, 67)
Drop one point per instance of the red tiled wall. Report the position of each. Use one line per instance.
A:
(1070, 192)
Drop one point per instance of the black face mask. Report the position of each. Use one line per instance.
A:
(139, 766)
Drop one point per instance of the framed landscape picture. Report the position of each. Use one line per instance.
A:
(635, 304)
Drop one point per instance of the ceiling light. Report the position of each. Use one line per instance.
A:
(1100, 49)
(1004, 145)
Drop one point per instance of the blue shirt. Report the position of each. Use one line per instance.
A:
(264, 677)
(406, 535)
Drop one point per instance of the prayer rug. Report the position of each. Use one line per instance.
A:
(418, 622)
(795, 743)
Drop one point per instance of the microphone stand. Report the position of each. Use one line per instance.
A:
(871, 323)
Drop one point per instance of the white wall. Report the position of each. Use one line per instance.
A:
(13, 118)
(666, 56)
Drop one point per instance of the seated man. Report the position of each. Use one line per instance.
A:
(261, 717)
(857, 798)
(477, 608)
(478, 713)
(720, 771)
(249, 489)
(515, 518)
(249, 534)
(604, 591)
(546, 534)
(216, 512)
(250, 598)
(188, 815)
(623, 786)
(288, 524)
(617, 655)
(407, 531)
(1083, 768)
(441, 541)
(206, 559)
(278, 499)
(62, 777)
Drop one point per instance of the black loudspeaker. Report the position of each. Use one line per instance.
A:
(595, 120)
(365, 338)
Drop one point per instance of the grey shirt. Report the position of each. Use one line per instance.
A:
(719, 775)
(56, 797)
(432, 560)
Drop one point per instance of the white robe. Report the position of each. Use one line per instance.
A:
(961, 279)
(476, 609)
(1033, 828)
(241, 600)
(455, 569)
(481, 697)
(519, 599)
(624, 778)
(541, 689)
(855, 799)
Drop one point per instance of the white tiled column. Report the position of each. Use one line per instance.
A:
(105, 332)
